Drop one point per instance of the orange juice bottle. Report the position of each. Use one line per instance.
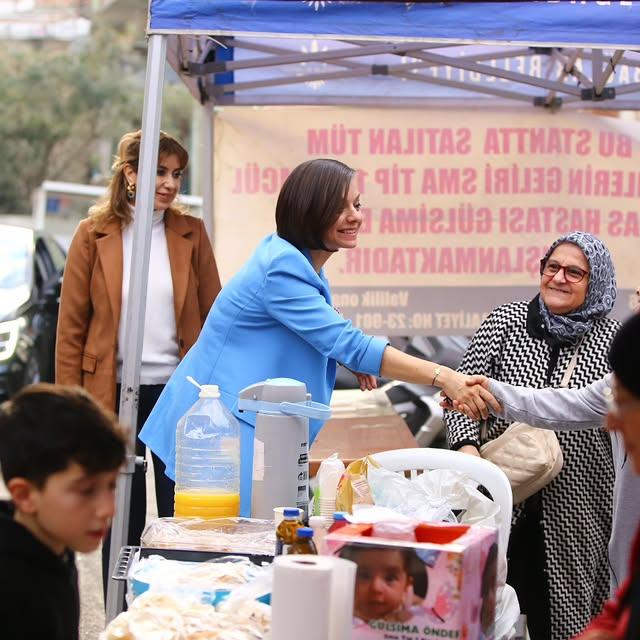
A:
(206, 505)
(208, 459)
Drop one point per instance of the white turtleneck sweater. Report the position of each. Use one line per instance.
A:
(160, 343)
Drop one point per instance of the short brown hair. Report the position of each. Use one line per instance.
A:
(311, 198)
(44, 428)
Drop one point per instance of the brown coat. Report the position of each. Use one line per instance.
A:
(87, 339)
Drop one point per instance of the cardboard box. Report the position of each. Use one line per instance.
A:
(443, 585)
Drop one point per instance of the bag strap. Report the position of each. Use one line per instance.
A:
(571, 366)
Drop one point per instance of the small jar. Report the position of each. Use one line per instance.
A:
(304, 542)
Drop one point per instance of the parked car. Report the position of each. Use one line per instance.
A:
(31, 265)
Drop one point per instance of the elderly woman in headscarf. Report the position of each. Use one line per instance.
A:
(558, 546)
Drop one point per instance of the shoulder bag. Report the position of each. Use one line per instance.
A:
(529, 456)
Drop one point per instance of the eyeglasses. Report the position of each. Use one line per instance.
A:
(571, 273)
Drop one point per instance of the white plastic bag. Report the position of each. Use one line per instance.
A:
(507, 612)
(460, 493)
(394, 491)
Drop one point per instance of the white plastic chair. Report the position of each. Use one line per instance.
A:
(483, 472)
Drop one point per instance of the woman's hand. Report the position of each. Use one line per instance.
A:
(476, 399)
(462, 407)
(366, 381)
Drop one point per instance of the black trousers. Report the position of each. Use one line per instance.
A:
(148, 397)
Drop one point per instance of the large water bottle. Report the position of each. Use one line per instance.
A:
(208, 459)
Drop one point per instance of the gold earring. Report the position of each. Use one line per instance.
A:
(131, 191)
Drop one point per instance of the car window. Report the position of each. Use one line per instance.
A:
(44, 260)
(16, 257)
(41, 272)
(58, 256)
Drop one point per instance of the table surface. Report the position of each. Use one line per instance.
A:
(356, 437)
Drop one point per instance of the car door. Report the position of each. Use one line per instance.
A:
(49, 264)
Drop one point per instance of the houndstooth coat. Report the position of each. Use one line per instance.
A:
(558, 546)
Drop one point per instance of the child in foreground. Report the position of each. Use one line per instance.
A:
(59, 453)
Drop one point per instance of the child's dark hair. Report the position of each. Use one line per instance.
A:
(44, 428)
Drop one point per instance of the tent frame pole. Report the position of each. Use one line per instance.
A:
(293, 58)
(134, 320)
(400, 71)
(206, 169)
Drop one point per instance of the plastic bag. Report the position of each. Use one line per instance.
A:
(507, 612)
(407, 497)
(353, 487)
(229, 535)
(461, 494)
(387, 523)
(259, 588)
(160, 616)
(204, 582)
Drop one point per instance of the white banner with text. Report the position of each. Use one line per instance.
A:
(459, 205)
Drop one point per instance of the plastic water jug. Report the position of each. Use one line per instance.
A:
(208, 459)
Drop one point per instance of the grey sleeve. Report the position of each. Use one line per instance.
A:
(557, 409)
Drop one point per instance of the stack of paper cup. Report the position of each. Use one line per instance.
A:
(329, 474)
(327, 509)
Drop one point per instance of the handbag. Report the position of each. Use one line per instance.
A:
(530, 457)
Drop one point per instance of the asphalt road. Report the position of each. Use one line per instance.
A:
(90, 572)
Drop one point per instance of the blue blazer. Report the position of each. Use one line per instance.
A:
(274, 319)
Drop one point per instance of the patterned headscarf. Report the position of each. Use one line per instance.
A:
(601, 291)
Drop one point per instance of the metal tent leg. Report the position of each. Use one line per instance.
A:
(134, 321)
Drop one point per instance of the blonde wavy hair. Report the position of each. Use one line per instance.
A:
(115, 204)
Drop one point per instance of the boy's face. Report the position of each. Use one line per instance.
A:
(72, 510)
(381, 583)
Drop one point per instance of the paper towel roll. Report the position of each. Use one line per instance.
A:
(343, 583)
(312, 597)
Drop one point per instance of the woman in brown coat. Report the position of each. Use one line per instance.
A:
(183, 283)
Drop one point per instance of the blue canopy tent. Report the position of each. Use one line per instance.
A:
(233, 52)
(255, 52)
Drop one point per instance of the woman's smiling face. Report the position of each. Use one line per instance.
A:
(559, 295)
(343, 233)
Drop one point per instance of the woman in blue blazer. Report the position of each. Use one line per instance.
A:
(274, 319)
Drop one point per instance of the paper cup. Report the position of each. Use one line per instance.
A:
(327, 507)
(278, 514)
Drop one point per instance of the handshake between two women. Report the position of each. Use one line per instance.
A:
(467, 394)
(465, 403)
